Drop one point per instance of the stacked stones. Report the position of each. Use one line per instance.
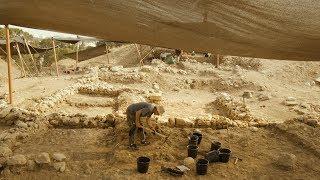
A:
(3, 104)
(91, 76)
(237, 111)
(123, 75)
(36, 162)
(82, 121)
(57, 97)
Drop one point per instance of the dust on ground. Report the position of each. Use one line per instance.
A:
(282, 95)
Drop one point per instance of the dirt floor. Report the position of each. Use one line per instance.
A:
(280, 93)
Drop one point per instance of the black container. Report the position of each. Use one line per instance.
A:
(143, 164)
(202, 166)
(199, 136)
(193, 140)
(224, 155)
(213, 156)
(215, 145)
(193, 151)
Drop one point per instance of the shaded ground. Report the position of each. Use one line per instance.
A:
(90, 154)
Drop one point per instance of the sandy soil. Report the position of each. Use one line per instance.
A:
(96, 153)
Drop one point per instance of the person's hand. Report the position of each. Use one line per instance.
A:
(152, 128)
(139, 126)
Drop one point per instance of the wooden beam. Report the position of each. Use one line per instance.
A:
(21, 61)
(31, 56)
(9, 63)
(55, 56)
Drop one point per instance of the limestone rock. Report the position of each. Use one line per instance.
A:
(21, 124)
(18, 159)
(4, 112)
(59, 157)
(247, 94)
(286, 161)
(304, 105)
(182, 123)
(31, 165)
(5, 151)
(312, 122)
(116, 68)
(155, 86)
(263, 97)
(155, 97)
(59, 166)
(290, 101)
(254, 129)
(317, 80)
(189, 162)
(203, 122)
(43, 158)
(171, 122)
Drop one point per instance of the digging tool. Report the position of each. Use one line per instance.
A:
(158, 134)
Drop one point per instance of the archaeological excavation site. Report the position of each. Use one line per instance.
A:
(128, 89)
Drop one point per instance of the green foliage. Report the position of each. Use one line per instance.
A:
(14, 32)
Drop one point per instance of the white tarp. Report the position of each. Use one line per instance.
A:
(275, 29)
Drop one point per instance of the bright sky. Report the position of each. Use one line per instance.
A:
(42, 33)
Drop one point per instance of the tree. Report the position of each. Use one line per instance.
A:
(14, 32)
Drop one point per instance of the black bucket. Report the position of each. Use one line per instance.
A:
(199, 136)
(213, 156)
(215, 145)
(192, 151)
(202, 166)
(224, 155)
(143, 164)
(193, 140)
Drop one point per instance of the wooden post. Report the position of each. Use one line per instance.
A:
(33, 62)
(141, 61)
(9, 63)
(55, 56)
(77, 55)
(139, 53)
(205, 17)
(107, 53)
(21, 61)
(217, 61)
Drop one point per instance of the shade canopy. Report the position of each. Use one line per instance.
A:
(22, 46)
(88, 53)
(274, 29)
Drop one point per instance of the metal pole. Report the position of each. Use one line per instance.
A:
(9, 62)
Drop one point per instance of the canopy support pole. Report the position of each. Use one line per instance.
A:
(21, 61)
(77, 55)
(9, 62)
(107, 53)
(217, 61)
(141, 61)
(139, 53)
(55, 56)
(33, 62)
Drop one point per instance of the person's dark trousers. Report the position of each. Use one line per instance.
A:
(133, 129)
(132, 133)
